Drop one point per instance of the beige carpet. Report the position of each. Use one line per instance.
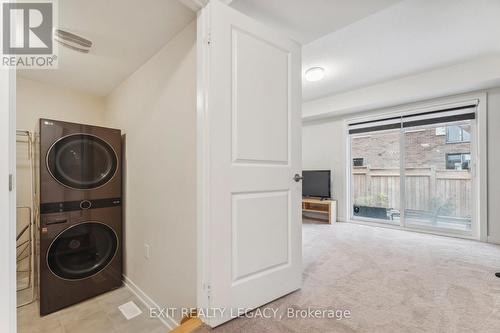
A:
(390, 281)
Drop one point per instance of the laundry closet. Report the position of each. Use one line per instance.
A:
(86, 225)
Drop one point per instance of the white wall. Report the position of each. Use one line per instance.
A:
(493, 165)
(156, 110)
(324, 147)
(37, 100)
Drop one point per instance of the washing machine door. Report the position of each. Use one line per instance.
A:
(82, 250)
(82, 161)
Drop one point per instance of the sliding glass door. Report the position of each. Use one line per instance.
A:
(415, 170)
(438, 180)
(375, 176)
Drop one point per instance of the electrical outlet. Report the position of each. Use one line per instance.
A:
(147, 251)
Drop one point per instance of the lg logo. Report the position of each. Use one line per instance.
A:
(27, 28)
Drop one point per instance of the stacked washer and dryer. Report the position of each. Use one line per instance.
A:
(80, 213)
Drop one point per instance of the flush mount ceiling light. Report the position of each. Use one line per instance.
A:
(72, 41)
(315, 74)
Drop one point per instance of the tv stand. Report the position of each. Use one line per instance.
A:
(321, 206)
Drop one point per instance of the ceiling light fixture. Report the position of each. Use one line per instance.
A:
(315, 74)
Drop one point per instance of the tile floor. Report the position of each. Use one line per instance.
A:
(97, 315)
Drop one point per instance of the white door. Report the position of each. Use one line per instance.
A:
(250, 150)
(7, 202)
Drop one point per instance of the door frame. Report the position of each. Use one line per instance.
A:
(480, 167)
(202, 165)
(8, 199)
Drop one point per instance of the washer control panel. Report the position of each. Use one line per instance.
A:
(69, 206)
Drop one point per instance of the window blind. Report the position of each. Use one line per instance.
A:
(433, 116)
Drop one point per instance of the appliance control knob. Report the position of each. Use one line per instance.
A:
(85, 204)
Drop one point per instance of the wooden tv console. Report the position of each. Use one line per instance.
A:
(327, 206)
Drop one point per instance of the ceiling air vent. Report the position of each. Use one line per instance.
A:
(72, 41)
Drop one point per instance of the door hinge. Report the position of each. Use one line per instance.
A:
(11, 182)
(208, 287)
(209, 39)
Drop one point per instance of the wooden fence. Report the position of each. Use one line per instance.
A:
(427, 189)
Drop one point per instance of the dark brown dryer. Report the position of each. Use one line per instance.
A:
(78, 162)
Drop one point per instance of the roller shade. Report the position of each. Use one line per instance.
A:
(442, 116)
(423, 117)
(372, 126)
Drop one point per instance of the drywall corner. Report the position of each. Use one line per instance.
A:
(156, 110)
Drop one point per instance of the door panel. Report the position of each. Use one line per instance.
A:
(250, 149)
(260, 106)
(255, 251)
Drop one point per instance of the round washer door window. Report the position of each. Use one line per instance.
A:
(82, 161)
(82, 250)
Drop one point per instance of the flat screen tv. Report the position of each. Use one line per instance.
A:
(316, 183)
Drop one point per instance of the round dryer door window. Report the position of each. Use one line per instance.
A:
(82, 161)
(82, 250)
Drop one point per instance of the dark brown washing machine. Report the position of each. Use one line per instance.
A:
(80, 196)
(80, 256)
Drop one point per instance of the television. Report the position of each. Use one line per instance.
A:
(316, 183)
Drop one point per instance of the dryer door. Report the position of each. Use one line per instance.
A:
(82, 161)
(82, 250)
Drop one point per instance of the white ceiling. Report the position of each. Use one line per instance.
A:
(307, 20)
(125, 35)
(362, 42)
(409, 37)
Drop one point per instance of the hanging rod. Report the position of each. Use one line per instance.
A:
(23, 133)
(29, 135)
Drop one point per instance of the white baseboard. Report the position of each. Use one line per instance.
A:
(169, 322)
(494, 240)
